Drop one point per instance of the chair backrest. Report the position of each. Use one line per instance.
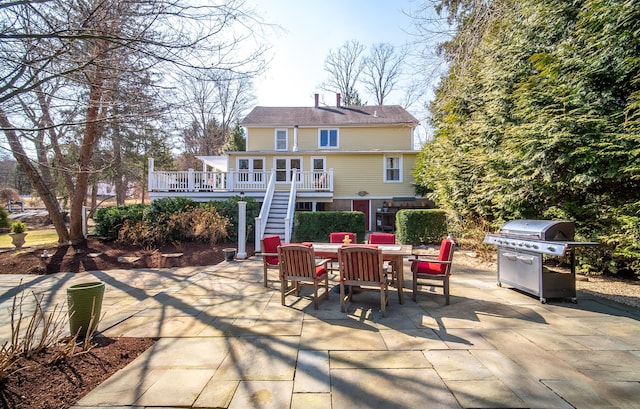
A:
(382, 238)
(361, 262)
(446, 254)
(338, 237)
(297, 260)
(270, 245)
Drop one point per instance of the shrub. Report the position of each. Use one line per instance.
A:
(208, 224)
(18, 227)
(110, 220)
(316, 226)
(229, 209)
(417, 227)
(162, 209)
(4, 218)
(137, 232)
(201, 223)
(175, 219)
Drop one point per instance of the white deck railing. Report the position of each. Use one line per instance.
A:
(233, 181)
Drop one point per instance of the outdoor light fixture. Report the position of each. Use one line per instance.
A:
(241, 195)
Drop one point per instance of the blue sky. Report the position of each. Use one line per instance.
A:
(310, 30)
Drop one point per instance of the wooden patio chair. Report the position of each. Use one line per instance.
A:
(425, 272)
(298, 264)
(386, 238)
(269, 254)
(340, 237)
(362, 265)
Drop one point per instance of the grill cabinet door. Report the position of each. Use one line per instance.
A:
(520, 269)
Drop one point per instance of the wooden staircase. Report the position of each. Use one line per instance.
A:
(277, 213)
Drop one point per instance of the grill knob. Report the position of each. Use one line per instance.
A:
(535, 246)
(551, 249)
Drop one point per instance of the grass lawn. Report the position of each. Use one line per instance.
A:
(34, 238)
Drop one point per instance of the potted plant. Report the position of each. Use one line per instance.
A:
(18, 233)
(229, 254)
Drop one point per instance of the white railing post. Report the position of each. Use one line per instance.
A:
(151, 184)
(291, 207)
(231, 185)
(330, 180)
(190, 180)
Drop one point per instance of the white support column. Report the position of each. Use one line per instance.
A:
(295, 139)
(242, 230)
(150, 183)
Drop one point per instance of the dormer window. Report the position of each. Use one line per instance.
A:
(281, 140)
(328, 138)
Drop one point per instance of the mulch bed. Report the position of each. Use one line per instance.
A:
(98, 254)
(40, 384)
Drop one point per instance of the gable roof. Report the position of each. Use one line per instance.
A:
(329, 116)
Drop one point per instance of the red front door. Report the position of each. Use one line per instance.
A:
(363, 206)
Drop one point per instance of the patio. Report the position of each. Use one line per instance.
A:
(225, 341)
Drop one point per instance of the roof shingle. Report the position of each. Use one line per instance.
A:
(328, 116)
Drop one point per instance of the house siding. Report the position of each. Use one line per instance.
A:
(389, 138)
(350, 138)
(365, 173)
(353, 173)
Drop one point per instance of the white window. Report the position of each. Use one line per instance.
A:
(281, 140)
(320, 177)
(285, 168)
(250, 169)
(328, 138)
(393, 168)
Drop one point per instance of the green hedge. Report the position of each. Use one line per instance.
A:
(4, 218)
(423, 226)
(316, 226)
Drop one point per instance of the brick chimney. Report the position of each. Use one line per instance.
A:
(317, 96)
(338, 100)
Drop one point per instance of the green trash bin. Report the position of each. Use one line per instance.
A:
(85, 302)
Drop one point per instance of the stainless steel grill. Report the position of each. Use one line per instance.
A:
(521, 247)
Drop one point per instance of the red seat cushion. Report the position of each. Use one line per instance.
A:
(425, 267)
(320, 270)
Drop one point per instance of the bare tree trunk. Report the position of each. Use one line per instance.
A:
(117, 166)
(98, 102)
(94, 195)
(47, 196)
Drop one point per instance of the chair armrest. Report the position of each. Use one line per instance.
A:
(266, 254)
(426, 257)
(431, 261)
(323, 261)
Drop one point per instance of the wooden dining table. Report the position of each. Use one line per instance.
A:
(390, 252)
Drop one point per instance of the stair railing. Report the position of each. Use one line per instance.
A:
(291, 207)
(261, 220)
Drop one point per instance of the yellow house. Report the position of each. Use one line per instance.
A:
(310, 158)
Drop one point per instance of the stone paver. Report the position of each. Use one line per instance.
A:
(225, 341)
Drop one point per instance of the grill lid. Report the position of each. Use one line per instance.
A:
(549, 230)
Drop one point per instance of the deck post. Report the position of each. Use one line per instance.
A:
(242, 228)
(150, 184)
